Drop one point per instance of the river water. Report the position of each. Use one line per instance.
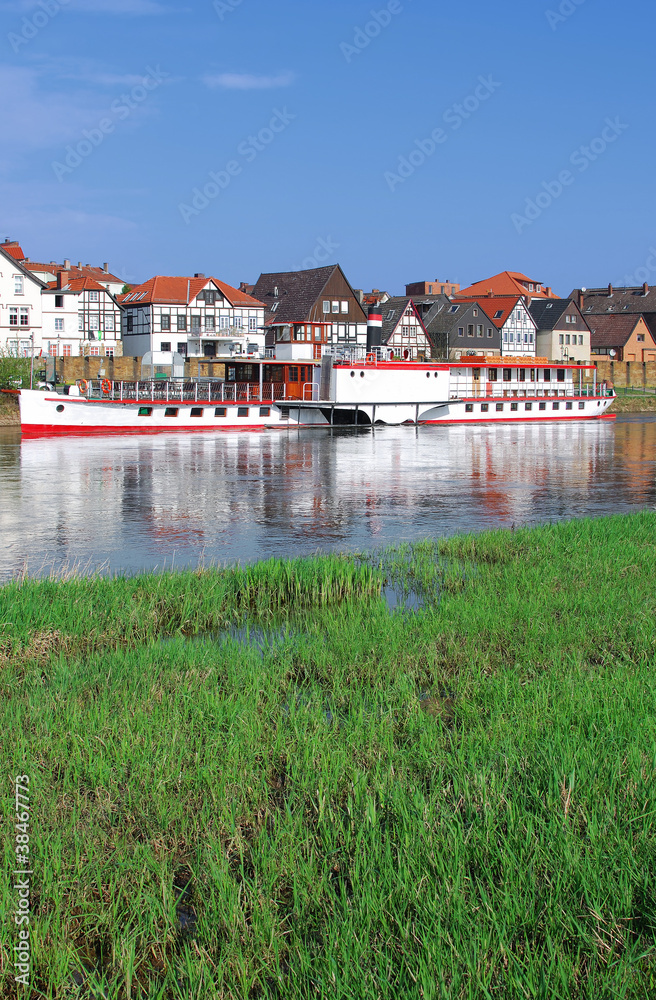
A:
(125, 504)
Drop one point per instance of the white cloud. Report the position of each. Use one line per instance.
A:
(247, 81)
(37, 120)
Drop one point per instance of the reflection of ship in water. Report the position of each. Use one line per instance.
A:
(234, 497)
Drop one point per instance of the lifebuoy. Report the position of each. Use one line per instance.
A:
(83, 385)
(106, 386)
(370, 359)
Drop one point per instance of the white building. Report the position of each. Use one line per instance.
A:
(196, 317)
(80, 317)
(403, 329)
(511, 315)
(20, 306)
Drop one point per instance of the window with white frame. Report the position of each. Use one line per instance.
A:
(52, 350)
(24, 316)
(252, 323)
(94, 351)
(94, 323)
(345, 307)
(13, 316)
(109, 351)
(59, 324)
(93, 296)
(326, 306)
(335, 307)
(80, 323)
(67, 350)
(18, 284)
(109, 322)
(224, 322)
(25, 348)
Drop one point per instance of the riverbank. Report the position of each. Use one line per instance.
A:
(345, 801)
(9, 411)
(638, 403)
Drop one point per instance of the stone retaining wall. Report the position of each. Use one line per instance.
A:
(124, 369)
(640, 374)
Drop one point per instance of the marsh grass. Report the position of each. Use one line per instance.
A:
(460, 804)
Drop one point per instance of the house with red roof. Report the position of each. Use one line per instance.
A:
(511, 315)
(80, 318)
(508, 283)
(196, 317)
(20, 305)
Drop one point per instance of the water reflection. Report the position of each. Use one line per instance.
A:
(134, 503)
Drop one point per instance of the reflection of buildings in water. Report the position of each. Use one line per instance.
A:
(242, 496)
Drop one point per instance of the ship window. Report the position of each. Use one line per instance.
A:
(492, 374)
(560, 374)
(196, 411)
(507, 375)
(568, 406)
(242, 411)
(469, 407)
(547, 374)
(352, 374)
(528, 406)
(284, 413)
(171, 411)
(220, 411)
(60, 408)
(292, 374)
(522, 375)
(484, 407)
(513, 406)
(556, 406)
(581, 405)
(145, 411)
(543, 406)
(499, 407)
(265, 411)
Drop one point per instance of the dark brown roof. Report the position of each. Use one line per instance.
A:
(610, 330)
(298, 292)
(622, 300)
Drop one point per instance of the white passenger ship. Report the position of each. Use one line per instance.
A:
(353, 389)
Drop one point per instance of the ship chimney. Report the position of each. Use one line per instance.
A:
(374, 328)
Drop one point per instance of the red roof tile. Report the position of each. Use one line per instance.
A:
(507, 283)
(14, 249)
(181, 290)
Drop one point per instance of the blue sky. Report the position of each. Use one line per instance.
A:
(117, 113)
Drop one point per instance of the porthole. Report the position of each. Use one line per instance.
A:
(361, 374)
(427, 374)
(60, 409)
(352, 374)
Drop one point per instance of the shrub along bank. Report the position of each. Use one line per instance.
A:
(343, 801)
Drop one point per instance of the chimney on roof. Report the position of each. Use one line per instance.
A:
(7, 240)
(62, 279)
(581, 298)
(610, 291)
(645, 289)
(489, 293)
(199, 275)
(53, 261)
(79, 263)
(67, 264)
(106, 267)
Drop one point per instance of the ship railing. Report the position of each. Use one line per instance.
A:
(183, 391)
(461, 389)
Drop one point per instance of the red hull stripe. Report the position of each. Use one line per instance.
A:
(48, 430)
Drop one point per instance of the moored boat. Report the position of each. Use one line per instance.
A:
(351, 388)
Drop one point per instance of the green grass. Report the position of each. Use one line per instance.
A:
(458, 804)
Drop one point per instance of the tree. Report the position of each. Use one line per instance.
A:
(14, 371)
